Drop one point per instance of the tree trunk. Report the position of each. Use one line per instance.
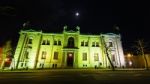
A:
(107, 54)
(143, 54)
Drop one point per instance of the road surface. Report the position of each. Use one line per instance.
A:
(75, 76)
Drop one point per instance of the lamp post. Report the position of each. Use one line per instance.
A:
(130, 59)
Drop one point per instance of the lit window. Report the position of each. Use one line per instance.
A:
(96, 57)
(55, 55)
(84, 57)
(43, 55)
(70, 54)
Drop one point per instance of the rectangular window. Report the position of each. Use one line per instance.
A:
(84, 56)
(55, 42)
(110, 44)
(113, 58)
(30, 47)
(43, 55)
(43, 42)
(59, 42)
(56, 55)
(93, 44)
(82, 43)
(26, 54)
(30, 41)
(97, 44)
(86, 43)
(21, 64)
(96, 57)
(48, 42)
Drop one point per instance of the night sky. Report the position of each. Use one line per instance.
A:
(96, 16)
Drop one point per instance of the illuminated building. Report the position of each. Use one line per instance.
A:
(69, 49)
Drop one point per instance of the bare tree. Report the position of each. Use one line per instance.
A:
(140, 47)
(6, 53)
(106, 50)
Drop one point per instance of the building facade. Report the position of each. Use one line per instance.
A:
(69, 49)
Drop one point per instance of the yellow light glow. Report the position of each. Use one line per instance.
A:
(129, 55)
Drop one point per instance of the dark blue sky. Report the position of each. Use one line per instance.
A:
(96, 16)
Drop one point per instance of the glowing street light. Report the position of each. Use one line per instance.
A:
(129, 55)
(7, 59)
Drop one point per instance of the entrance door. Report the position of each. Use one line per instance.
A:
(70, 59)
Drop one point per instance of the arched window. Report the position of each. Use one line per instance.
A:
(71, 42)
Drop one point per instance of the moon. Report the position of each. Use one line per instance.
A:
(77, 14)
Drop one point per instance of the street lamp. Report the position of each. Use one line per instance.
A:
(130, 59)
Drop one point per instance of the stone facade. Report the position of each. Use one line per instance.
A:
(69, 49)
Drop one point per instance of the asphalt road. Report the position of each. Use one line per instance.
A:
(75, 76)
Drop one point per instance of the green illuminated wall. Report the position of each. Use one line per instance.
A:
(66, 49)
